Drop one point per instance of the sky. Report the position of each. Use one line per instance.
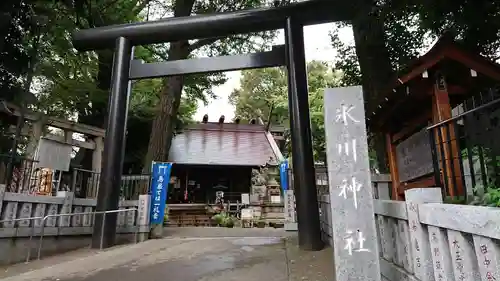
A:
(317, 47)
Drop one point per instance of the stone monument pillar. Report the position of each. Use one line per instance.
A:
(143, 216)
(356, 253)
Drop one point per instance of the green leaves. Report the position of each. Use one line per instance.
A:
(411, 26)
(487, 197)
(263, 89)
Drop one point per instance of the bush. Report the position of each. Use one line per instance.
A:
(224, 219)
(218, 218)
(228, 221)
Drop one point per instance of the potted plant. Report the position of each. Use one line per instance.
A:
(229, 222)
(261, 224)
(218, 219)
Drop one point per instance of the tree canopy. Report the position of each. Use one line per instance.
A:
(390, 34)
(409, 28)
(36, 55)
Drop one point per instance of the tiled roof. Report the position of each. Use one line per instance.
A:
(227, 144)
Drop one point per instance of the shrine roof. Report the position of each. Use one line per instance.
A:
(447, 48)
(224, 144)
(445, 51)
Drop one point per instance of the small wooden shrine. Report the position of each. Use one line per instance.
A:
(48, 145)
(414, 115)
(222, 162)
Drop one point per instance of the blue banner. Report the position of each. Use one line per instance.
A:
(284, 175)
(160, 178)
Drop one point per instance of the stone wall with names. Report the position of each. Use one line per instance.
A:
(435, 241)
(23, 215)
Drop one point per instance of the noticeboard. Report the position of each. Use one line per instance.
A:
(414, 156)
(53, 155)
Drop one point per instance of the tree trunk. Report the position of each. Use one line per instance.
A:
(163, 124)
(170, 98)
(376, 69)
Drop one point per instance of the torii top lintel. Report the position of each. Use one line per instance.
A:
(214, 25)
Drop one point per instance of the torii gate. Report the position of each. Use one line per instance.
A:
(291, 17)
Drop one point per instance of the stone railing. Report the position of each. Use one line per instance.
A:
(422, 239)
(18, 232)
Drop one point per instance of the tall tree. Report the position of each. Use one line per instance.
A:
(475, 23)
(143, 101)
(263, 90)
(19, 25)
(395, 32)
(91, 72)
(72, 84)
(389, 34)
(408, 27)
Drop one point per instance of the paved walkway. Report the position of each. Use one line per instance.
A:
(192, 255)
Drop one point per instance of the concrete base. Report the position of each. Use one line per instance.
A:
(291, 226)
(141, 237)
(156, 231)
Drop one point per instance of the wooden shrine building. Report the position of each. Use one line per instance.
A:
(212, 157)
(428, 116)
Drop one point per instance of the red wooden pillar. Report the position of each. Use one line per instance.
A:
(446, 141)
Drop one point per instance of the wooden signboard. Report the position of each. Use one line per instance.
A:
(414, 156)
(53, 155)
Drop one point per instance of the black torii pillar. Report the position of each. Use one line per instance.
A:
(300, 126)
(108, 196)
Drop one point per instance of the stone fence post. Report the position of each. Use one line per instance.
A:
(2, 194)
(143, 216)
(381, 188)
(419, 234)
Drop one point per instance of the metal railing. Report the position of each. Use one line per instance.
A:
(321, 175)
(132, 186)
(85, 183)
(28, 255)
(21, 175)
(44, 220)
(466, 150)
(103, 224)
